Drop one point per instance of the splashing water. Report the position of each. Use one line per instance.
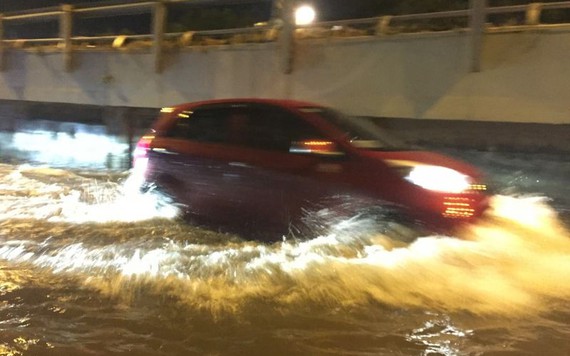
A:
(57, 195)
(514, 261)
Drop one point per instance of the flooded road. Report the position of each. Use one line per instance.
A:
(89, 267)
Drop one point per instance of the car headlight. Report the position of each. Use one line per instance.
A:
(439, 179)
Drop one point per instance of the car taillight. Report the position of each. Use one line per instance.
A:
(140, 155)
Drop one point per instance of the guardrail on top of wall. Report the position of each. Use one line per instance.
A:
(158, 40)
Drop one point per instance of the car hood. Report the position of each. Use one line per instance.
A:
(427, 158)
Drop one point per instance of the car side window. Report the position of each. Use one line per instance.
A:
(271, 128)
(253, 126)
(204, 125)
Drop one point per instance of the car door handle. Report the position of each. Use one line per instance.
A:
(239, 164)
(164, 150)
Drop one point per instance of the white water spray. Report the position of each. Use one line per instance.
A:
(512, 262)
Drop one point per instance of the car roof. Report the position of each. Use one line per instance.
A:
(165, 121)
(276, 102)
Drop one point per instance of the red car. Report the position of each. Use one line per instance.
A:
(261, 161)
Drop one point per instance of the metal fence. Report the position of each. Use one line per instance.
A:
(478, 19)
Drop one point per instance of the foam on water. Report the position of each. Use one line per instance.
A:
(515, 261)
(57, 195)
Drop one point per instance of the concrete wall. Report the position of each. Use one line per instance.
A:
(418, 87)
(525, 76)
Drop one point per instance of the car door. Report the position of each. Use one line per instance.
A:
(271, 181)
(193, 157)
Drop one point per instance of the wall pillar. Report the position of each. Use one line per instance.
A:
(2, 46)
(119, 121)
(159, 13)
(65, 33)
(287, 35)
(477, 21)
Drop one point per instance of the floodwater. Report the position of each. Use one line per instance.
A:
(89, 267)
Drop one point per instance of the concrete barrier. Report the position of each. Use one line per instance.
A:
(523, 78)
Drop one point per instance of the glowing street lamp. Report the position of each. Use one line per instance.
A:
(305, 15)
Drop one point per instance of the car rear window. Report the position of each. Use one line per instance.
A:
(361, 132)
(203, 125)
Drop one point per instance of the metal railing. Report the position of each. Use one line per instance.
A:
(158, 39)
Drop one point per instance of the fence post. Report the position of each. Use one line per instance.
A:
(287, 36)
(65, 32)
(383, 25)
(2, 48)
(477, 21)
(533, 13)
(158, 28)
(276, 10)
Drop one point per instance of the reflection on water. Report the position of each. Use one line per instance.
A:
(90, 266)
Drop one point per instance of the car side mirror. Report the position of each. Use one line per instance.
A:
(316, 147)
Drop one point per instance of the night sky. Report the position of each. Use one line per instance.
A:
(328, 9)
(255, 11)
(18, 5)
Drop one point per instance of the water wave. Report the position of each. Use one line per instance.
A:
(515, 261)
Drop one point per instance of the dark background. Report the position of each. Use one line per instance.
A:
(328, 9)
(208, 15)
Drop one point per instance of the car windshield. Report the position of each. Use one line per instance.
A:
(361, 132)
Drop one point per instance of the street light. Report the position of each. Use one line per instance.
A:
(305, 15)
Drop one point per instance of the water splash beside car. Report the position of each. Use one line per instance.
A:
(125, 245)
